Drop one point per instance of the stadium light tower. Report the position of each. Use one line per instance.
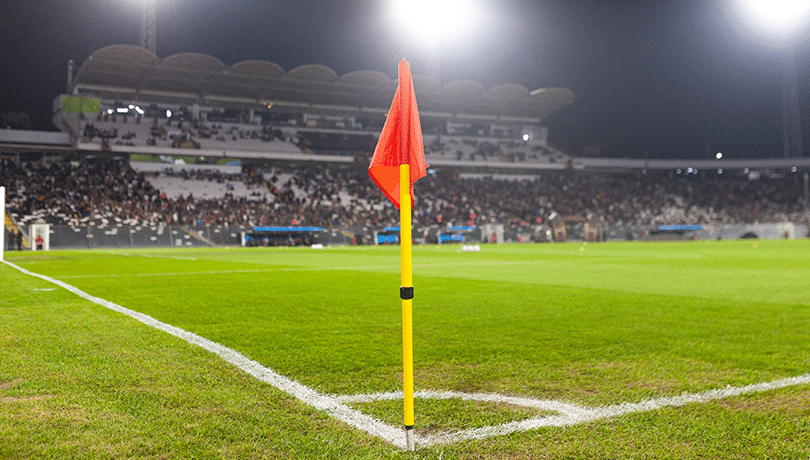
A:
(791, 122)
(148, 26)
(781, 24)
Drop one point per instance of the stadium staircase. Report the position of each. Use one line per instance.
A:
(344, 233)
(198, 236)
(11, 227)
(271, 188)
(69, 123)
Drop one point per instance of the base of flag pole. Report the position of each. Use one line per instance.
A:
(409, 438)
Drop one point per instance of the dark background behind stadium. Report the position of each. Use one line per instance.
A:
(681, 79)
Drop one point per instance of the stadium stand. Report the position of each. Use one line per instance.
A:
(291, 148)
(108, 199)
(121, 130)
(125, 100)
(108, 131)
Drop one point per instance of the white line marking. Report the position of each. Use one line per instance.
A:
(336, 406)
(570, 414)
(328, 404)
(542, 404)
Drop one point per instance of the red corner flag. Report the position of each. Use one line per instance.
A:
(400, 141)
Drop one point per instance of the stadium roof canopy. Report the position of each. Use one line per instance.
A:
(132, 73)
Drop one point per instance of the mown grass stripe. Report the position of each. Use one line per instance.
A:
(287, 269)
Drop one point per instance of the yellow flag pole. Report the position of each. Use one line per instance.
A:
(406, 293)
(3, 220)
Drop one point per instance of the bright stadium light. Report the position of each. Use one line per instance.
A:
(782, 17)
(436, 23)
(777, 29)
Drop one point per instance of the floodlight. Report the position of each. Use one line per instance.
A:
(719, 155)
(436, 23)
(782, 17)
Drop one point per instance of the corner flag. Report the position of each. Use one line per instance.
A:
(400, 142)
(398, 162)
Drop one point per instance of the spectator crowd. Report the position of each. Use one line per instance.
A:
(108, 193)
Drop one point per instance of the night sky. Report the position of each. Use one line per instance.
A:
(667, 76)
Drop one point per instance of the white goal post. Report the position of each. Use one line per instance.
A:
(40, 231)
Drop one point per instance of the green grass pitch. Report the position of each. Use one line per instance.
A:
(594, 325)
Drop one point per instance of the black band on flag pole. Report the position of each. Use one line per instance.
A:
(406, 293)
